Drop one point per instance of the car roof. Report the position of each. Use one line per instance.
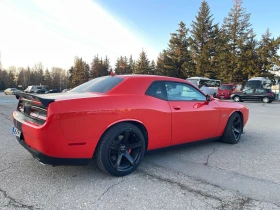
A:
(152, 77)
(138, 83)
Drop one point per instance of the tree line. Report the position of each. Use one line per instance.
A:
(229, 51)
(55, 78)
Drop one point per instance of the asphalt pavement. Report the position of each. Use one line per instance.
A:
(208, 175)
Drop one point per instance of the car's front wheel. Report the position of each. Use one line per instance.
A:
(121, 149)
(265, 100)
(233, 130)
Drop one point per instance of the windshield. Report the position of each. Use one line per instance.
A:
(253, 84)
(100, 84)
(226, 87)
(193, 81)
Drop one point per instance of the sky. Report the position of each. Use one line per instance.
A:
(55, 31)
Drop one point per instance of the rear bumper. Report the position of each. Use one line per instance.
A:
(45, 159)
(48, 145)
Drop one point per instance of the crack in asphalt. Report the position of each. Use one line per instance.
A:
(207, 160)
(14, 203)
(181, 186)
(239, 203)
(6, 116)
(108, 189)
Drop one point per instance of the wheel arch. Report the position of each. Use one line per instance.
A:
(241, 115)
(134, 122)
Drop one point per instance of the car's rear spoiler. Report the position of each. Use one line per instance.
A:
(44, 101)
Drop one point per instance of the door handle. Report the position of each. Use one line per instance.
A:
(177, 107)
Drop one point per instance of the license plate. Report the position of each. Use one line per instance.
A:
(16, 132)
(222, 97)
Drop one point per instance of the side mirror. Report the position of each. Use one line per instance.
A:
(209, 98)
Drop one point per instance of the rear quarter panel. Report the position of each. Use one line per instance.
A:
(88, 118)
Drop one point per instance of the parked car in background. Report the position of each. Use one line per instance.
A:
(41, 91)
(11, 91)
(258, 94)
(53, 91)
(34, 88)
(225, 91)
(116, 119)
(206, 85)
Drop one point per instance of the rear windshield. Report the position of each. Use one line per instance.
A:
(226, 87)
(99, 85)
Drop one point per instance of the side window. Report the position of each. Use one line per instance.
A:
(259, 91)
(248, 91)
(157, 90)
(182, 92)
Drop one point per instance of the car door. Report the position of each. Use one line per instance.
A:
(247, 94)
(193, 118)
(259, 93)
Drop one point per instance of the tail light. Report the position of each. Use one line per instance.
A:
(33, 109)
(271, 94)
(38, 113)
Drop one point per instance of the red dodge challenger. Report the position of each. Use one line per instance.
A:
(116, 118)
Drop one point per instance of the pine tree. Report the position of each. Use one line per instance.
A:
(131, 65)
(10, 80)
(248, 61)
(48, 79)
(71, 70)
(177, 60)
(143, 64)
(3, 79)
(153, 68)
(238, 29)
(99, 67)
(80, 73)
(268, 56)
(203, 42)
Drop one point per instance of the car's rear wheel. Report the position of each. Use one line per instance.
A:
(121, 149)
(236, 98)
(265, 100)
(233, 130)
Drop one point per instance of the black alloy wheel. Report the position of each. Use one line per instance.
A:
(125, 150)
(121, 149)
(236, 127)
(233, 130)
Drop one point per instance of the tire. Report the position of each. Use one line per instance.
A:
(121, 149)
(214, 95)
(17, 96)
(236, 98)
(233, 130)
(265, 100)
